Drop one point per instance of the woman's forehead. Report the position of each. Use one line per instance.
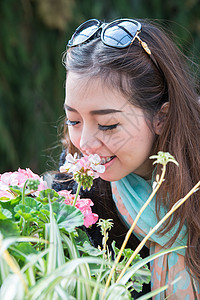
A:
(92, 90)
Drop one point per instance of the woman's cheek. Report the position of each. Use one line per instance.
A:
(75, 138)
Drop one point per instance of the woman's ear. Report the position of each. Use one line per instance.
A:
(160, 118)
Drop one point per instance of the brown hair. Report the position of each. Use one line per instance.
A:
(148, 87)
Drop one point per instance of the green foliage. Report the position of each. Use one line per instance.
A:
(43, 255)
(31, 216)
(45, 195)
(9, 228)
(137, 278)
(33, 37)
(54, 259)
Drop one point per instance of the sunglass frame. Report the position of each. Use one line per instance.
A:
(104, 27)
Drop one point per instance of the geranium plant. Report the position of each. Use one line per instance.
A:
(44, 253)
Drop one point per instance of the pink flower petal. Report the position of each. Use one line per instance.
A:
(6, 194)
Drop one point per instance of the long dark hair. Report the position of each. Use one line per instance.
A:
(148, 86)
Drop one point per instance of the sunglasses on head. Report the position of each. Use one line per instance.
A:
(118, 34)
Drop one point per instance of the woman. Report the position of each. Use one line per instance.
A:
(128, 96)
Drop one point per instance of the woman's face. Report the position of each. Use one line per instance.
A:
(102, 121)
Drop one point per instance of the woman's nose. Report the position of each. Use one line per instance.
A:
(89, 143)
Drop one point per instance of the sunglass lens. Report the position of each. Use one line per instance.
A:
(84, 32)
(119, 34)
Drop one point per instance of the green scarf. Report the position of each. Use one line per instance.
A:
(134, 191)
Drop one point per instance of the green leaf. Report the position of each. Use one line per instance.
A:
(18, 291)
(10, 205)
(126, 254)
(4, 270)
(44, 213)
(47, 194)
(32, 203)
(142, 275)
(5, 199)
(16, 200)
(22, 250)
(23, 211)
(117, 291)
(56, 256)
(136, 286)
(144, 261)
(5, 213)
(81, 237)
(31, 218)
(67, 271)
(30, 210)
(68, 217)
(9, 228)
(90, 250)
(33, 214)
(7, 242)
(16, 190)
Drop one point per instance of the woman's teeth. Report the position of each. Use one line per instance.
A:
(105, 160)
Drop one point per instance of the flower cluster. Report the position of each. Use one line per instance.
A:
(84, 170)
(163, 158)
(83, 204)
(18, 178)
(26, 183)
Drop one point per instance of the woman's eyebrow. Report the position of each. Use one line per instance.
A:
(95, 112)
(67, 107)
(104, 111)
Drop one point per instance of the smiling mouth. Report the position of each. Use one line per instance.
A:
(105, 160)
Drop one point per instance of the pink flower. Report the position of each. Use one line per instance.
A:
(84, 170)
(83, 204)
(69, 198)
(23, 175)
(18, 178)
(86, 164)
(7, 179)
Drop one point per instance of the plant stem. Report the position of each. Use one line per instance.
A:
(94, 294)
(23, 192)
(20, 223)
(132, 227)
(175, 207)
(77, 193)
(22, 220)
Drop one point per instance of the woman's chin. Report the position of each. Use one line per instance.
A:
(109, 177)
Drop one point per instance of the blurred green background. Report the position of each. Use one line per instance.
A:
(33, 36)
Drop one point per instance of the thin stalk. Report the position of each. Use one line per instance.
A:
(77, 193)
(22, 221)
(14, 268)
(132, 228)
(94, 294)
(174, 208)
(30, 275)
(25, 225)
(23, 192)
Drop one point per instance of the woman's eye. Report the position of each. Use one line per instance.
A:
(71, 123)
(107, 127)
